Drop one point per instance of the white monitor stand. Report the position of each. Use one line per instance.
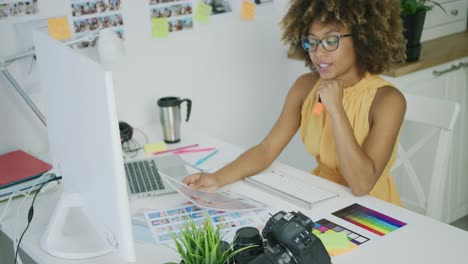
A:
(70, 235)
(92, 217)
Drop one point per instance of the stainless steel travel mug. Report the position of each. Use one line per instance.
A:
(169, 115)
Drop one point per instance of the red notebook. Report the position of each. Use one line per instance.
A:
(18, 166)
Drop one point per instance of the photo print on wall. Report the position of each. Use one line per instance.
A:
(10, 8)
(89, 16)
(218, 6)
(178, 14)
(258, 2)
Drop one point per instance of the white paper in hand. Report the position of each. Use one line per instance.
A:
(218, 200)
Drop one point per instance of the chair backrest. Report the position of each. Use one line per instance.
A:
(428, 121)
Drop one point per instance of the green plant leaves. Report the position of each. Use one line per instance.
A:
(202, 244)
(409, 7)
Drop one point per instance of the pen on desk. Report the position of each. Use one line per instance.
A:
(183, 151)
(175, 149)
(193, 166)
(200, 161)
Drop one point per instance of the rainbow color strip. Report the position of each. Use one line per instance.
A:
(369, 219)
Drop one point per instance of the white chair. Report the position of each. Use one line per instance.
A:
(421, 170)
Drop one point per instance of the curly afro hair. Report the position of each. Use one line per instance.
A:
(375, 25)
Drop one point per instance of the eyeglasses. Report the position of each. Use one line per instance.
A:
(329, 43)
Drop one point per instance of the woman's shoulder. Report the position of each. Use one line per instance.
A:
(306, 82)
(389, 93)
(389, 99)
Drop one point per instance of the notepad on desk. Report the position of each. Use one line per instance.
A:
(18, 171)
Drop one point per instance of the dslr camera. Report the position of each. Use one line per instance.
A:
(287, 238)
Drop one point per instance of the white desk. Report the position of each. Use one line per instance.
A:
(422, 240)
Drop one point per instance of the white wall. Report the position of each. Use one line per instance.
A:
(19, 126)
(236, 73)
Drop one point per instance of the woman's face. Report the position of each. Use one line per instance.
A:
(337, 64)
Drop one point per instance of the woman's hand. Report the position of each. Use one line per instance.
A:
(331, 95)
(203, 181)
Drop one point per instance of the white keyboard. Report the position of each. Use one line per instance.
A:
(289, 188)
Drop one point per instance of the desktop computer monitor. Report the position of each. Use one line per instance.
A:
(92, 217)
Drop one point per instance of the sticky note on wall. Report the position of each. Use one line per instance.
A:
(59, 28)
(203, 12)
(159, 27)
(247, 10)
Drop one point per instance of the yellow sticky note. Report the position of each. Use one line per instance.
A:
(338, 252)
(59, 28)
(248, 10)
(203, 12)
(160, 27)
(155, 147)
(334, 240)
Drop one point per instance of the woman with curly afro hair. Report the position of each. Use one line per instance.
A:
(349, 118)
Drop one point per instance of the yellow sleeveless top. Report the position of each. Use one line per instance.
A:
(317, 134)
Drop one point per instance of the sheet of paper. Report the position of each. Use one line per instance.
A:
(219, 200)
(142, 233)
(163, 222)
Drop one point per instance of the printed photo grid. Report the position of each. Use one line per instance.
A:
(163, 223)
(89, 16)
(15, 8)
(179, 13)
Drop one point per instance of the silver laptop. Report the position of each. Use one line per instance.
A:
(143, 176)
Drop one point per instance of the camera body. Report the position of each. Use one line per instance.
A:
(288, 239)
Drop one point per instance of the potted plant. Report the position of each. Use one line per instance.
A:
(203, 244)
(413, 14)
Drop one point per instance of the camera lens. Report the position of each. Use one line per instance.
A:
(248, 236)
(225, 246)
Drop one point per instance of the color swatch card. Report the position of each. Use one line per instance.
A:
(372, 221)
(337, 239)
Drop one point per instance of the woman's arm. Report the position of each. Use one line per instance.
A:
(259, 157)
(362, 166)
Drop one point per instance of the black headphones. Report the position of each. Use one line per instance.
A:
(126, 132)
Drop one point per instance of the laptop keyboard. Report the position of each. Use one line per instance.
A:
(143, 176)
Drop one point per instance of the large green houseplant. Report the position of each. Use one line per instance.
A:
(413, 14)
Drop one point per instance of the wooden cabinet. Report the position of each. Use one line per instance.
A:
(449, 81)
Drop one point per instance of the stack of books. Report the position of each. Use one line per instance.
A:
(19, 171)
